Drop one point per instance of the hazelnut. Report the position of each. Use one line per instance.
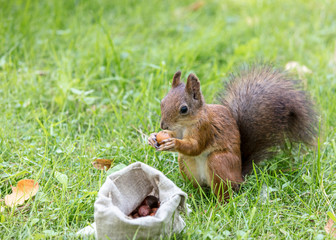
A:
(144, 210)
(162, 136)
(151, 201)
(154, 210)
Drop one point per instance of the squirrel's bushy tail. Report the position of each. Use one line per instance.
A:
(269, 108)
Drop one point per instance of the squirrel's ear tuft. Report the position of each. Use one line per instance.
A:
(193, 87)
(176, 79)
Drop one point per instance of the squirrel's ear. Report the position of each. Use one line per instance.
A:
(176, 79)
(193, 87)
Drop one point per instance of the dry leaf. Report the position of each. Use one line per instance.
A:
(28, 186)
(330, 228)
(179, 12)
(102, 164)
(196, 5)
(25, 189)
(16, 198)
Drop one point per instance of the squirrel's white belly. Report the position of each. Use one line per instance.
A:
(202, 168)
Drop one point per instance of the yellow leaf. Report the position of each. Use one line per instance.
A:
(102, 164)
(330, 228)
(25, 189)
(196, 5)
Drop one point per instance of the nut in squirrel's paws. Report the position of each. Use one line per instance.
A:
(162, 136)
(162, 141)
(167, 145)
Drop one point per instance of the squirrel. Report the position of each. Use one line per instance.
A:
(217, 144)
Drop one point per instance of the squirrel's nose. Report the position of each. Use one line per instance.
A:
(163, 126)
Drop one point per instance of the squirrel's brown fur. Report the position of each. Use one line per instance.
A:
(217, 144)
(268, 108)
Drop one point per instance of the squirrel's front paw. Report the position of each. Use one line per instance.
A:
(167, 145)
(152, 141)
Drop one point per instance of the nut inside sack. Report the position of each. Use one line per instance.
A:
(139, 201)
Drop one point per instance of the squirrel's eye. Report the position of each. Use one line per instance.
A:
(183, 109)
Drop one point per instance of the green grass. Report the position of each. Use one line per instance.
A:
(81, 80)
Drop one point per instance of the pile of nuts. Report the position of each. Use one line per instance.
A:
(148, 207)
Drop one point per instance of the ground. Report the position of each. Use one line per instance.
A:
(81, 80)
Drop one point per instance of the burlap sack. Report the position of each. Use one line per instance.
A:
(124, 190)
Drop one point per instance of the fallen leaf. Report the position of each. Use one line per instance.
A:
(102, 164)
(196, 5)
(330, 228)
(28, 186)
(179, 12)
(16, 198)
(25, 189)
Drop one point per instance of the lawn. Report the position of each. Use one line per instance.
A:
(81, 80)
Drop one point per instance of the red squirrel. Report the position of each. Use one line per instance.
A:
(218, 143)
